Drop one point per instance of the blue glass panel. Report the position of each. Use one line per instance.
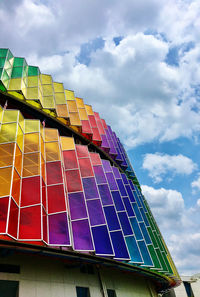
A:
(137, 198)
(131, 184)
(117, 200)
(130, 193)
(142, 202)
(136, 228)
(137, 212)
(119, 245)
(145, 253)
(121, 187)
(99, 174)
(90, 188)
(125, 180)
(145, 233)
(111, 181)
(144, 217)
(105, 195)
(112, 219)
(95, 212)
(126, 226)
(128, 206)
(133, 250)
(102, 240)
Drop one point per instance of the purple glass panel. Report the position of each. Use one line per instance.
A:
(117, 200)
(106, 166)
(90, 188)
(125, 180)
(99, 174)
(119, 245)
(121, 187)
(116, 172)
(112, 219)
(82, 236)
(104, 143)
(77, 206)
(105, 195)
(58, 229)
(130, 193)
(111, 181)
(126, 226)
(102, 240)
(95, 212)
(128, 206)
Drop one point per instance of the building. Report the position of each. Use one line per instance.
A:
(73, 220)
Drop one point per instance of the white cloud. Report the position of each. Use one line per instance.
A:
(180, 232)
(159, 165)
(196, 184)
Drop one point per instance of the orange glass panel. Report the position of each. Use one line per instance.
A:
(5, 180)
(16, 187)
(50, 134)
(18, 160)
(31, 142)
(6, 154)
(43, 169)
(72, 106)
(31, 164)
(67, 143)
(62, 110)
(52, 151)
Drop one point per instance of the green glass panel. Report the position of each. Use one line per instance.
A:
(152, 237)
(1, 70)
(17, 72)
(2, 88)
(154, 257)
(5, 76)
(167, 263)
(32, 71)
(2, 62)
(18, 62)
(3, 52)
(162, 262)
(10, 55)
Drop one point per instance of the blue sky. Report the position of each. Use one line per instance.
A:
(137, 63)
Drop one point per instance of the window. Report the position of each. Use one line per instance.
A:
(82, 292)
(111, 293)
(9, 288)
(188, 289)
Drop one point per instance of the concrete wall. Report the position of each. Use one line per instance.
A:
(47, 277)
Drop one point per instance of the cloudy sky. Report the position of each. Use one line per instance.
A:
(138, 64)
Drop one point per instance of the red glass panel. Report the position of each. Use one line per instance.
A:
(3, 213)
(104, 123)
(99, 123)
(86, 128)
(44, 199)
(30, 223)
(56, 199)
(70, 160)
(85, 167)
(13, 219)
(73, 181)
(54, 173)
(30, 191)
(82, 151)
(95, 158)
(92, 121)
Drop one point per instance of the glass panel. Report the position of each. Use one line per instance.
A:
(95, 212)
(95, 158)
(73, 181)
(99, 174)
(30, 191)
(102, 240)
(13, 219)
(126, 226)
(50, 134)
(31, 164)
(82, 151)
(52, 151)
(56, 199)
(8, 133)
(105, 195)
(67, 143)
(77, 206)
(90, 188)
(3, 214)
(5, 180)
(30, 223)
(16, 186)
(6, 154)
(70, 160)
(58, 229)
(62, 110)
(82, 236)
(31, 142)
(54, 173)
(119, 245)
(117, 200)
(133, 250)
(10, 116)
(112, 219)
(85, 167)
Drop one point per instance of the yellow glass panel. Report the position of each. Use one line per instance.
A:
(15, 84)
(32, 126)
(8, 132)
(31, 164)
(16, 186)
(18, 160)
(21, 120)
(50, 134)
(64, 121)
(5, 180)
(10, 116)
(46, 79)
(16, 94)
(80, 102)
(69, 95)
(32, 81)
(20, 137)
(89, 109)
(60, 98)
(62, 110)
(47, 90)
(72, 106)
(48, 102)
(52, 151)
(1, 113)
(67, 143)
(74, 119)
(32, 93)
(58, 87)
(31, 142)
(6, 154)
(83, 114)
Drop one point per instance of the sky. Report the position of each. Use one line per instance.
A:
(138, 64)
